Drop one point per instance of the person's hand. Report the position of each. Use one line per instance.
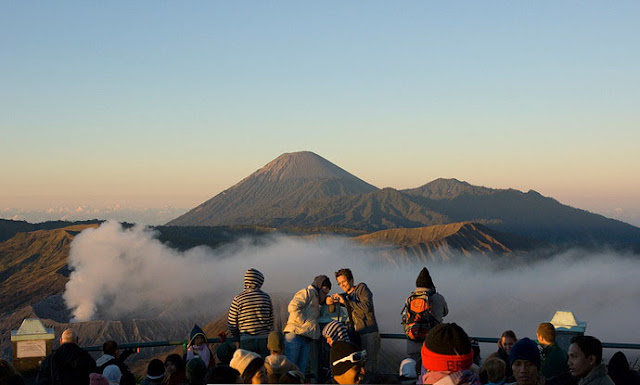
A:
(329, 300)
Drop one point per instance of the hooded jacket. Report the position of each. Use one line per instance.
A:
(620, 372)
(204, 352)
(251, 311)
(276, 366)
(304, 310)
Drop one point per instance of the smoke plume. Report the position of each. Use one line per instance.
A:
(123, 273)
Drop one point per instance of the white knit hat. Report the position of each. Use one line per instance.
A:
(241, 359)
(112, 373)
(408, 373)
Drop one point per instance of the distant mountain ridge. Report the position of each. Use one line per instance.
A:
(305, 190)
(444, 242)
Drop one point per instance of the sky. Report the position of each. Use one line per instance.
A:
(141, 110)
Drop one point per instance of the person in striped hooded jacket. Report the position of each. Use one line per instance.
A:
(251, 314)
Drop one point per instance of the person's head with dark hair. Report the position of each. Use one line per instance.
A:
(174, 364)
(424, 279)
(110, 348)
(507, 340)
(585, 353)
(222, 375)
(546, 334)
(344, 277)
(525, 362)
(250, 366)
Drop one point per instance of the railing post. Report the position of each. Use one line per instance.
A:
(567, 326)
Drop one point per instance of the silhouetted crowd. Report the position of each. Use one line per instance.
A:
(335, 339)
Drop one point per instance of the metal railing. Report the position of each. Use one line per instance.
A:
(154, 344)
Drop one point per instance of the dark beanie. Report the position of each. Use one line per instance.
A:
(447, 348)
(320, 281)
(155, 370)
(527, 350)
(225, 352)
(424, 279)
(341, 349)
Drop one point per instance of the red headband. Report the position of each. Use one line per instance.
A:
(445, 363)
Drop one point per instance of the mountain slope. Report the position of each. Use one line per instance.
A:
(33, 266)
(444, 242)
(529, 214)
(285, 183)
(377, 210)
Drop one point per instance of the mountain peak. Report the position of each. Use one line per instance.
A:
(301, 165)
(443, 188)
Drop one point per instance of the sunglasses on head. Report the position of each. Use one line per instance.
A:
(353, 357)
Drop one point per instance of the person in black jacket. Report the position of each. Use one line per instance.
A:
(68, 365)
(111, 356)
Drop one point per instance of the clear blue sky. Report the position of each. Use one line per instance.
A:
(147, 104)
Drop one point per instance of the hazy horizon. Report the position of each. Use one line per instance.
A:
(136, 111)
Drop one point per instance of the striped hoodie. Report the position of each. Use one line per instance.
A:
(251, 311)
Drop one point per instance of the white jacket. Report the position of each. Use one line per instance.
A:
(304, 310)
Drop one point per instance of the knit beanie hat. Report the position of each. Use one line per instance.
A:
(155, 369)
(321, 281)
(275, 341)
(112, 373)
(336, 331)
(341, 349)
(196, 369)
(408, 370)
(447, 349)
(424, 279)
(241, 359)
(225, 352)
(97, 379)
(527, 350)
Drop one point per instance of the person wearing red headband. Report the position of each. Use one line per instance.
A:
(447, 356)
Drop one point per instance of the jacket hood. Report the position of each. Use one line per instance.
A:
(618, 363)
(104, 359)
(277, 362)
(196, 331)
(253, 279)
(320, 281)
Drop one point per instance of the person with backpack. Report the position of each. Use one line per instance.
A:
(423, 310)
(68, 365)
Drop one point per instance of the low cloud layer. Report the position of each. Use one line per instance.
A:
(128, 273)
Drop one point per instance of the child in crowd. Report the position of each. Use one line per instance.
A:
(198, 347)
(277, 363)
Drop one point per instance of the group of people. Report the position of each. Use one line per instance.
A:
(334, 338)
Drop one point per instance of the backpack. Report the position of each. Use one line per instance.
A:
(417, 316)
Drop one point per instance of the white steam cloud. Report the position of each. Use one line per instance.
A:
(121, 273)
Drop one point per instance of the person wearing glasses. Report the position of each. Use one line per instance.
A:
(347, 363)
(358, 300)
